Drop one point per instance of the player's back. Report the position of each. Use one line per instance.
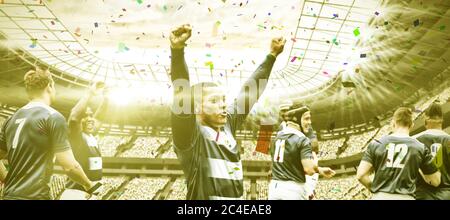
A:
(30, 153)
(290, 147)
(437, 142)
(396, 161)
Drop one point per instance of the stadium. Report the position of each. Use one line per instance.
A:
(352, 62)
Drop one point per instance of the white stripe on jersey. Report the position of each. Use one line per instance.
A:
(225, 169)
(223, 198)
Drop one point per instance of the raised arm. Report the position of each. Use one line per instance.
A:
(256, 84)
(80, 108)
(182, 122)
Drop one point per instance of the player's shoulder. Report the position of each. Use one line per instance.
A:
(296, 136)
(380, 141)
(44, 112)
(41, 107)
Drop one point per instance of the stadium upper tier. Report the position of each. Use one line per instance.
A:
(343, 57)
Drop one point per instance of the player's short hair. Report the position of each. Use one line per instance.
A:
(37, 80)
(434, 112)
(403, 117)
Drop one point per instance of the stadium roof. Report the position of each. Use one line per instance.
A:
(125, 43)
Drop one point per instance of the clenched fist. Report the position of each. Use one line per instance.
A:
(180, 35)
(277, 46)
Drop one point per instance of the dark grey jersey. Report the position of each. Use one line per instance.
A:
(31, 137)
(437, 142)
(87, 153)
(289, 148)
(396, 161)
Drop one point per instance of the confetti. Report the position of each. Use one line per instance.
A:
(210, 64)
(139, 1)
(33, 43)
(165, 7)
(53, 23)
(293, 59)
(208, 55)
(335, 41)
(377, 13)
(96, 24)
(181, 6)
(356, 32)
(416, 22)
(335, 16)
(122, 47)
(77, 32)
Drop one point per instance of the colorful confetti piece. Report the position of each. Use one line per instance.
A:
(356, 32)
(33, 43)
(122, 47)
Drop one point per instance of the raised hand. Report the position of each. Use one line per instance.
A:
(277, 46)
(180, 35)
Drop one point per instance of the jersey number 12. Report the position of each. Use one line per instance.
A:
(393, 159)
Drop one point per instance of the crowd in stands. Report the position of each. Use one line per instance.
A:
(170, 153)
(335, 188)
(247, 193)
(249, 152)
(110, 184)
(178, 190)
(108, 144)
(357, 142)
(144, 188)
(328, 148)
(145, 147)
(262, 189)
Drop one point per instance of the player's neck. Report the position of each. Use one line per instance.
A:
(215, 128)
(43, 100)
(401, 132)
